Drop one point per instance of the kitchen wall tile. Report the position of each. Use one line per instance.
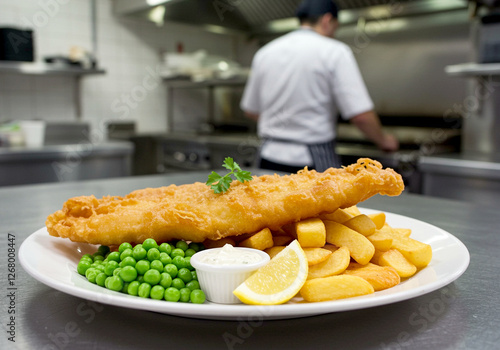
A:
(21, 105)
(128, 49)
(4, 108)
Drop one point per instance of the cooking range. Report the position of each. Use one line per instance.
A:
(206, 150)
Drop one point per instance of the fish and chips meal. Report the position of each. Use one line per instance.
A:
(323, 247)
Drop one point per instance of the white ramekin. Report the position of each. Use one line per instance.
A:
(219, 281)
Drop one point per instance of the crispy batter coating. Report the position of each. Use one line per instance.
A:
(194, 212)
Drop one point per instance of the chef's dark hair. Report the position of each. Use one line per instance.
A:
(311, 10)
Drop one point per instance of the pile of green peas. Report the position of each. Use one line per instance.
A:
(147, 270)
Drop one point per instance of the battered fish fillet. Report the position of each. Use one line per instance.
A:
(194, 212)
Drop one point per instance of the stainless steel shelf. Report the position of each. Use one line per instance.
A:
(45, 69)
(473, 69)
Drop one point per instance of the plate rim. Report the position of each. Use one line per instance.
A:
(239, 311)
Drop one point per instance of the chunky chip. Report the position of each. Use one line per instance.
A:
(261, 240)
(362, 224)
(360, 248)
(335, 287)
(335, 264)
(311, 233)
(397, 261)
(378, 219)
(418, 253)
(316, 255)
(339, 215)
(381, 240)
(380, 277)
(273, 251)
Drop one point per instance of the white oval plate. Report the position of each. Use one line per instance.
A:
(53, 262)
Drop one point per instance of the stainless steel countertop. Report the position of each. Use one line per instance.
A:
(467, 164)
(468, 320)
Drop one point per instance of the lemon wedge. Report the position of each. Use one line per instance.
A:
(278, 281)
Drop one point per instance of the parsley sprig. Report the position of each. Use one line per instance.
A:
(220, 183)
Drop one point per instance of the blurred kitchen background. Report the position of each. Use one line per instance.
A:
(136, 87)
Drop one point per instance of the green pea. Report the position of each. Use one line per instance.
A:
(100, 279)
(91, 274)
(149, 243)
(189, 252)
(133, 288)
(140, 279)
(83, 266)
(157, 265)
(195, 246)
(165, 258)
(128, 261)
(178, 283)
(195, 275)
(110, 267)
(187, 260)
(157, 292)
(152, 277)
(185, 293)
(179, 261)
(181, 245)
(114, 256)
(172, 294)
(104, 249)
(128, 273)
(193, 285)
(116, 272)
(185, 275)
(171, 269)
(125, 287)
(177, 252)
(99, 261)
(87, 256)
(142, 266)
(165, 280)
(197, 296)
(98, 258)
(144, 290)
(153, 254)
(124, 246)
(165, 248)
(114, 283)
(126, 253)
(139, 252)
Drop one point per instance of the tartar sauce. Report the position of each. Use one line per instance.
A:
(228, 255)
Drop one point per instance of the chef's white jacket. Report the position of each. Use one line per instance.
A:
(298, 85)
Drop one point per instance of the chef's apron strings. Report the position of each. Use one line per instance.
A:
(324, 156)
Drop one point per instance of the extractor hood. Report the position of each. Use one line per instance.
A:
(256, 17)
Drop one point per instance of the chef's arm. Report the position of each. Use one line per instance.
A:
(370, 126)
(253, 116)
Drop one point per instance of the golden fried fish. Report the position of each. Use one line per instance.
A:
(194, 212)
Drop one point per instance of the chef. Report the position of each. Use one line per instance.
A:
(299, 84)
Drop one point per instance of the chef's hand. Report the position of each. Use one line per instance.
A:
(369, 124)
(389, 143)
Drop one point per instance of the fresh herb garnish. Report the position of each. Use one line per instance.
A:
(220, 183)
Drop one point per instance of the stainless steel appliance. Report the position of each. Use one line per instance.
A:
(69, 154)
(474, 173)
